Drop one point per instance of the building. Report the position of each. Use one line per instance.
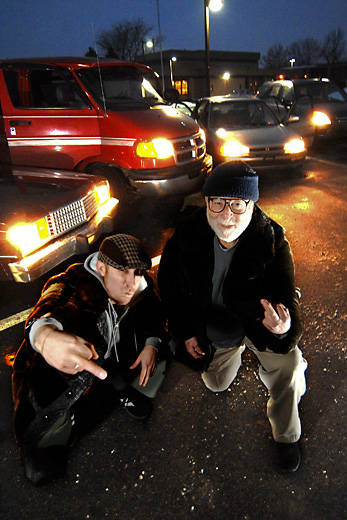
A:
(187, 71)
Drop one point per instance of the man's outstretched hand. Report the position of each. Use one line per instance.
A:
(276, 318)
(67, 352)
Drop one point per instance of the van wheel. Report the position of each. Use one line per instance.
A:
(119, 186)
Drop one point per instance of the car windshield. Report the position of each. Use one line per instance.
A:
(320, 92)
(121, 88)
(241, 114)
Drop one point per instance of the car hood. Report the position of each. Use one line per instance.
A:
(264, 136)
(28, 195)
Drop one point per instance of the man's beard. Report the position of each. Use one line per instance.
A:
(227, 235)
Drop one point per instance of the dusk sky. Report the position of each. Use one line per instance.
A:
(65, 27)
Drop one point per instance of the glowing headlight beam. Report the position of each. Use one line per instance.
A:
(234, 149)
(157, 149)
(294, 146)
(320, 119)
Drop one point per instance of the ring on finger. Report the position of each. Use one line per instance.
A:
(76, 367)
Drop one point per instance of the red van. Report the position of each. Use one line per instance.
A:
(101, 117)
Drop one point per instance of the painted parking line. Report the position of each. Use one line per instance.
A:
(11, 321)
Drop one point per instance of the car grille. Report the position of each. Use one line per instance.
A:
(72, 215)
(266, 151)
(188, 149)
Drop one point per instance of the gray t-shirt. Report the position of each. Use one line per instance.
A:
(224, 329)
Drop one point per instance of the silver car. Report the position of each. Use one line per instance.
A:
(245, 128)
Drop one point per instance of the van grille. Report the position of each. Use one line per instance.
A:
(188, 149)
(72, 215)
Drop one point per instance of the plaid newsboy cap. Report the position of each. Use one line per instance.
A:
(124, 252)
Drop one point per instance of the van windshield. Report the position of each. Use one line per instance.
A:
(121, 88)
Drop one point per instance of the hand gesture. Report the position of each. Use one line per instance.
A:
(193, 348)
(148, 360)
(67, 352)
(276, 318)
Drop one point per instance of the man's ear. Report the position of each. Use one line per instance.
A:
(101, 267)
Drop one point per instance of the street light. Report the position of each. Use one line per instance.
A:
(292, 61)
(171, 69)
(214, 5)
(226, 77)
(150, 45)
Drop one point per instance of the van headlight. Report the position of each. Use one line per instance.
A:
(234, 149)
(156, 149)
(320, 119)
(294, 146)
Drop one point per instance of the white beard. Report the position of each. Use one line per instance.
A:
(229, 235)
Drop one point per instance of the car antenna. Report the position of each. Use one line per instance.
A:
(100, 79)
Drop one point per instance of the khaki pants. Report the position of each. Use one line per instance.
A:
(282, 374)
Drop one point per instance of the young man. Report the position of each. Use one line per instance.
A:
(226, 280)
(97, 325)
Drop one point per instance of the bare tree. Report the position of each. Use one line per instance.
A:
(90, 53)
(124, 40)
(333, 48)
(276, 57)
(305, 52)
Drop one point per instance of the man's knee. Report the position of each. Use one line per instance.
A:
(213, 384)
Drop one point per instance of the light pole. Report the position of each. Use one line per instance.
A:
(214, 5)
(226, 77)
(171, 70)
(161, 51)
(149, 44)
(292, 61)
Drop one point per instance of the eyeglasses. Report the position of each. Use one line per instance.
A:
(237, 206)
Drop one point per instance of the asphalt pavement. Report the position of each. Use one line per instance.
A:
(210, 457)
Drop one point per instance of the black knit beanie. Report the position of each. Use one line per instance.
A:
(234, 179)
(124, 252)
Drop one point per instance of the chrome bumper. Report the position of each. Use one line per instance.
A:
(77, 241)
(174, 181)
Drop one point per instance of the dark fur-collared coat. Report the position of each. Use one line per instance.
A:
(262, 267)
(77, 300)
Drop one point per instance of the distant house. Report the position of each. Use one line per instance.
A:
(228, 71)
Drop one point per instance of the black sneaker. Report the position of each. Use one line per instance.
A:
(287, 456)
(136, 404)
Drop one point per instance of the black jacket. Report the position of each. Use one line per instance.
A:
(262, 267)
(77, 300)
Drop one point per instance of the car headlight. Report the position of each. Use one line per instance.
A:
(28, 237)
(234, 149)
(102, 192)
(320, 119)
(294, 146)
(156, 149)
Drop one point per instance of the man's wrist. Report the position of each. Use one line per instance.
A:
(38, 324)
(41, 336)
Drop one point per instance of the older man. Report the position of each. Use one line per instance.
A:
(226, 279)
(98, 320)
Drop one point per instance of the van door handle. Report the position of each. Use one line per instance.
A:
(18, 123)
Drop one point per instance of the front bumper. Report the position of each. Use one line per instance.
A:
(268, 162)
(77, 241)
(173, 181)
